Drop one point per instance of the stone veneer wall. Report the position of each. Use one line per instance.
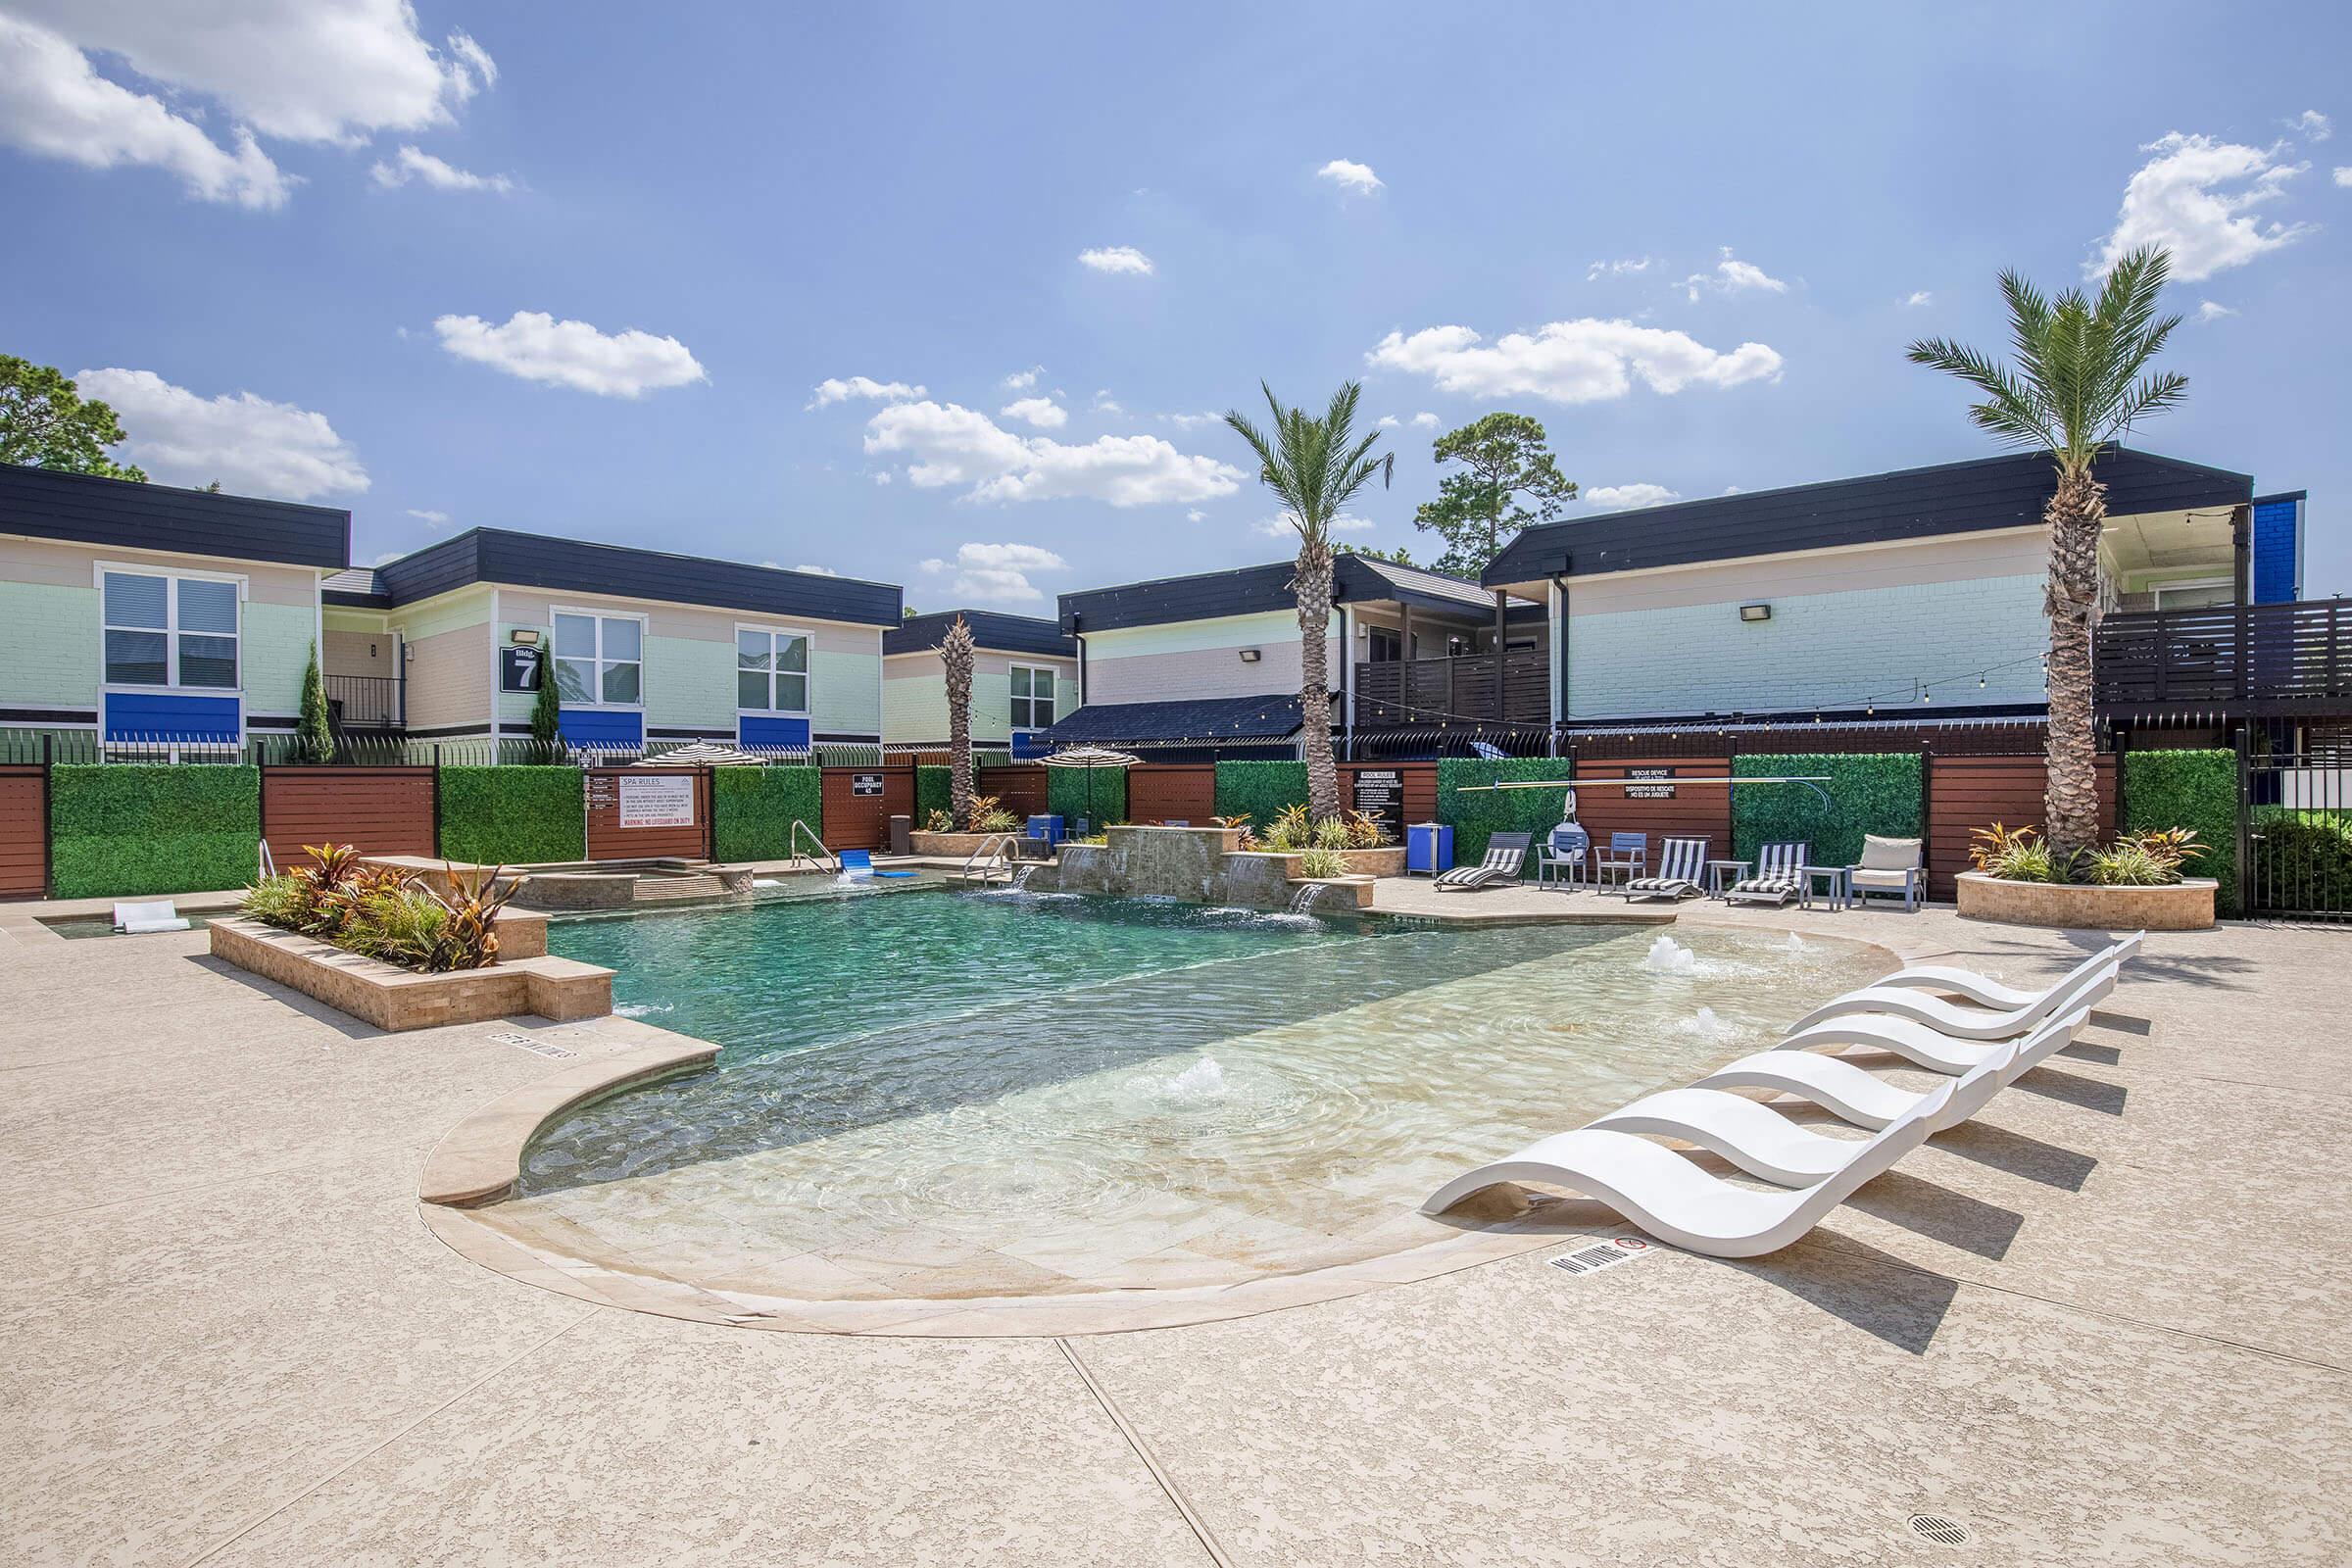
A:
(396, 1000)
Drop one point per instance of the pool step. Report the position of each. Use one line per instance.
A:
(663, 889)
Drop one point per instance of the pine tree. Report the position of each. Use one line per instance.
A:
(315, 733)
(547, 714)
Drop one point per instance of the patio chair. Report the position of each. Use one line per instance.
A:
(1675, 1201)
(1564, 850)
(1628, 854)
(1506, 854)
(1680, 867)
(144, 919)
(1778, 877)
(1889, 869)
(1956, 1020)
(1915, 1043)
(1984, 989)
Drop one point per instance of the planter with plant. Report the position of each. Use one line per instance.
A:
(2133, 882)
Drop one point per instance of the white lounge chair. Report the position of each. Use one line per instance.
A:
(1866, 1100)
(1675, 1201)
(1680, 867)
(141, 919)
(1780, 875)
(1506, 854)
(1915, 1041)
(1955, 1019)
(1984, 989)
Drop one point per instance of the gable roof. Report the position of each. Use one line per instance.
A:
(1255, 590)
(1201, 718)
(85, 509)
(991, 629)
(1971, 497)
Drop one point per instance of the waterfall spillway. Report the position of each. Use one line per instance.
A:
(1020, 878)
(1302, 902)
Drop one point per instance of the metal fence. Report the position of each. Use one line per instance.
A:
(2295, 834)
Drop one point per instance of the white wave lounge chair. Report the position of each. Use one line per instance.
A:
(1866, 1100)
(1765, 1143)
(1680, 867)
(141, 919)
(1890, 868)
(1675, 1201)
(1506, 854)
(1929, 1048)
(1984, 989)
(1957, 1019)
(1778, 877)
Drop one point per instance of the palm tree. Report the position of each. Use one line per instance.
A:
(1314, 467)
(2080, 380)
(956, 653)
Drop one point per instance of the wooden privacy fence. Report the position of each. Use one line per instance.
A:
(1965, 793)
(378, 810)
(24, 832)
(859, 802)
(640, 814)
(1020, 788)
(1655, 804)
(1184, 792)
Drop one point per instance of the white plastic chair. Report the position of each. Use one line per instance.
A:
(1959, 1020)
(1984, 989)
(1866, 1100)
(1916, 1041)
(141, 919)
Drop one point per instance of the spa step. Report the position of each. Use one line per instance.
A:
(663, 889)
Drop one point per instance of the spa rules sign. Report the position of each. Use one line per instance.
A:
(658, 800)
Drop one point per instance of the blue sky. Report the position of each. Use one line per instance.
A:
(603, 295)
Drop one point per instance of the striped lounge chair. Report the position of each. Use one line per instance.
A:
(1505, 853)
(1779, 876)
(1680, 867)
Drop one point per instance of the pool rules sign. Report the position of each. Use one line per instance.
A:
(657, 799)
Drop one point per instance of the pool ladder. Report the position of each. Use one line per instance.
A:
(823, 856)
(994, 854)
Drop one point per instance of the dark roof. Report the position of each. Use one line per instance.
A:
(540, 561)
(354, 585)
(1254, 590)
(1972, 496)
(991, 629)
(1202, 719)
(129, 515)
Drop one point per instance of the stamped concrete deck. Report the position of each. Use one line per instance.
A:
(2104, 1324)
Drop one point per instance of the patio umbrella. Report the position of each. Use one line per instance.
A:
(1091, 757)
(701, 753)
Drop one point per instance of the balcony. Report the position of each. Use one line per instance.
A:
(364, 703)
(2243, 661)
(1512, 689)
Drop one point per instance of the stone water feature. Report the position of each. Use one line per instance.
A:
(1199, 864)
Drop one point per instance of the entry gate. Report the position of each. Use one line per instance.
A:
(2294, 851)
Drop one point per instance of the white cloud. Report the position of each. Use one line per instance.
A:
(1620, 267)
(430, 518)
(1043, 412)
(2193, 198)
(1731, 489)
(885, 477)
(53, 102)
(1584, 361)
(1281, 526)
(536, 347)
(251, 445)
(1350, 175)
(1116, 259)
(412, 163)
(317, 71)
(1104, 404)
(2343, 177)
(1426, 420)
(1387, 422)
(1191, 421)
(995, 572)
(820, 571)
(1022, 381)
(1920, 296)
(2314, 125)
(1195, 515)
(834, 389)
(949, 445)
(2213, 311)
(1732, 276)
(1619, 497)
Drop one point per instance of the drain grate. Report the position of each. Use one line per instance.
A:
(537, 1046)
(1601, 1255)
(1945, 1531)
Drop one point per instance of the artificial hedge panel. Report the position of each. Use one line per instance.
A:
(753, 810)
(118, 829)
(2192, 789)
(1260, 791)
(934, 791)
(512, 816)
(1476, 817)
(1870, 792)
(1067, 794)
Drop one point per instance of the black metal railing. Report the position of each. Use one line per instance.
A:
(2246, 659)
(365, 702)
(1514, 688)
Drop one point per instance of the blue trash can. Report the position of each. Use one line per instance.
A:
(1047, 828)
(1428, 849)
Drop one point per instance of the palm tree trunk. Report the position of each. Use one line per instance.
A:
(1314, 679)
(2070, 600)
(956, 653)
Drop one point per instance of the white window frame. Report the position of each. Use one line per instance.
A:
(2160, 589)
(1014, 725)
(600, 616)
(171, 686)
(771, 633)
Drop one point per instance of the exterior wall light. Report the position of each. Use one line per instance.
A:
(1755, 611)
(1249, 656)
(528, 636)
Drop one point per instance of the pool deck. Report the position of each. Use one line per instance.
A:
(2102, 1324)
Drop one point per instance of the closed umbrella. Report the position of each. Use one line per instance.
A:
(1091, 757)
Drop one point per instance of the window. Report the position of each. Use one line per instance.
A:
(2204, 594)
(600, 658)
(1386, 647)
(1032, 696)
(169, 631)
(771, 671)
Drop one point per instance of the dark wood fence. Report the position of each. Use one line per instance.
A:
(613, 801)
(1424, 691)
(379, 810)
(1965, 793)
(1657, 804)
(1019, 788)
(24, 832)
(1160, 792)
(2244, 659)
(860, 803)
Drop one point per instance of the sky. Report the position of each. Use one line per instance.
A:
(951, 296)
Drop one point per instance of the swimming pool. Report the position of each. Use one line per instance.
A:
(949, 1096)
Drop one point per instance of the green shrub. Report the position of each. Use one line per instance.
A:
(1260, 790)
(753, 810)
(513, 815)
(2195, 790)
(1322, 861)
(934, 789)
(1066, 795)
(1870, 792)
(2302, 859)
(121, 829)
(1477, 817)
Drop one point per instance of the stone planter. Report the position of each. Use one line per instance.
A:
(2178, 907)
(395, 998)
(1388, 861)
(950, 846)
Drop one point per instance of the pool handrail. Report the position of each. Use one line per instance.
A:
(989, 856)
(792, 845)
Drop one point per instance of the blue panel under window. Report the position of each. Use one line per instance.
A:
(603, 729)
(167, 716)
(759, 730)
(2278, 551)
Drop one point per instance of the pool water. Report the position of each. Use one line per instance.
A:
(987, 1094)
